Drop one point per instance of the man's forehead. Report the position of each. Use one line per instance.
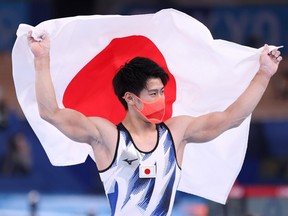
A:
(154, 84)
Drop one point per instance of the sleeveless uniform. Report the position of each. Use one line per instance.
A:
(142, 183)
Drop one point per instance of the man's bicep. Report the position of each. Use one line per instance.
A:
(206, 127)
(75, 125)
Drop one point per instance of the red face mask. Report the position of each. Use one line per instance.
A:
(153, 111)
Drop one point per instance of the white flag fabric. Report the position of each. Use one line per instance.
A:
(209, 75)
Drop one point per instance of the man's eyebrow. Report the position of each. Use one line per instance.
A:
(155, 90)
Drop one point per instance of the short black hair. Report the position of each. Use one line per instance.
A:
(133, 76)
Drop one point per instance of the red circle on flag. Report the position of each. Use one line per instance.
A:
(147, 171)
(91, 92)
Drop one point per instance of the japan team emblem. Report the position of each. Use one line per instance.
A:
(147, 171)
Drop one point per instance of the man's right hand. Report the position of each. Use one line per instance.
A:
(40, 48)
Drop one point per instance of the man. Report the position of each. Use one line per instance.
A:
(139, 160)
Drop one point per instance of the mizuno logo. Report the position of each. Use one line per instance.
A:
(130, 161)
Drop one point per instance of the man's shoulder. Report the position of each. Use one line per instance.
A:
(178, 125)
(178, 120)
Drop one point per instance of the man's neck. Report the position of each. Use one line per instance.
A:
(137, 125)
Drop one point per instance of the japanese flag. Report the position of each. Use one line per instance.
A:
(205, 75)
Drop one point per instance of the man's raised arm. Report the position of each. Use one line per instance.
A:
(247, 102)
(72, 123)
(207, 127)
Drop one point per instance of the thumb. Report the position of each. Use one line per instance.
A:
(266, 49)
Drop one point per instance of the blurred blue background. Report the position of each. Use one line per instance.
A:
(262, 185)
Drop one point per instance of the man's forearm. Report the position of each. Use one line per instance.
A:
(247, 102)
(45, 93)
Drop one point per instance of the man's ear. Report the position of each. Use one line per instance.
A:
(128, 97)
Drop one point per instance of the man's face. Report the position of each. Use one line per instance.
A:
(151, 101)
(153, 91)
